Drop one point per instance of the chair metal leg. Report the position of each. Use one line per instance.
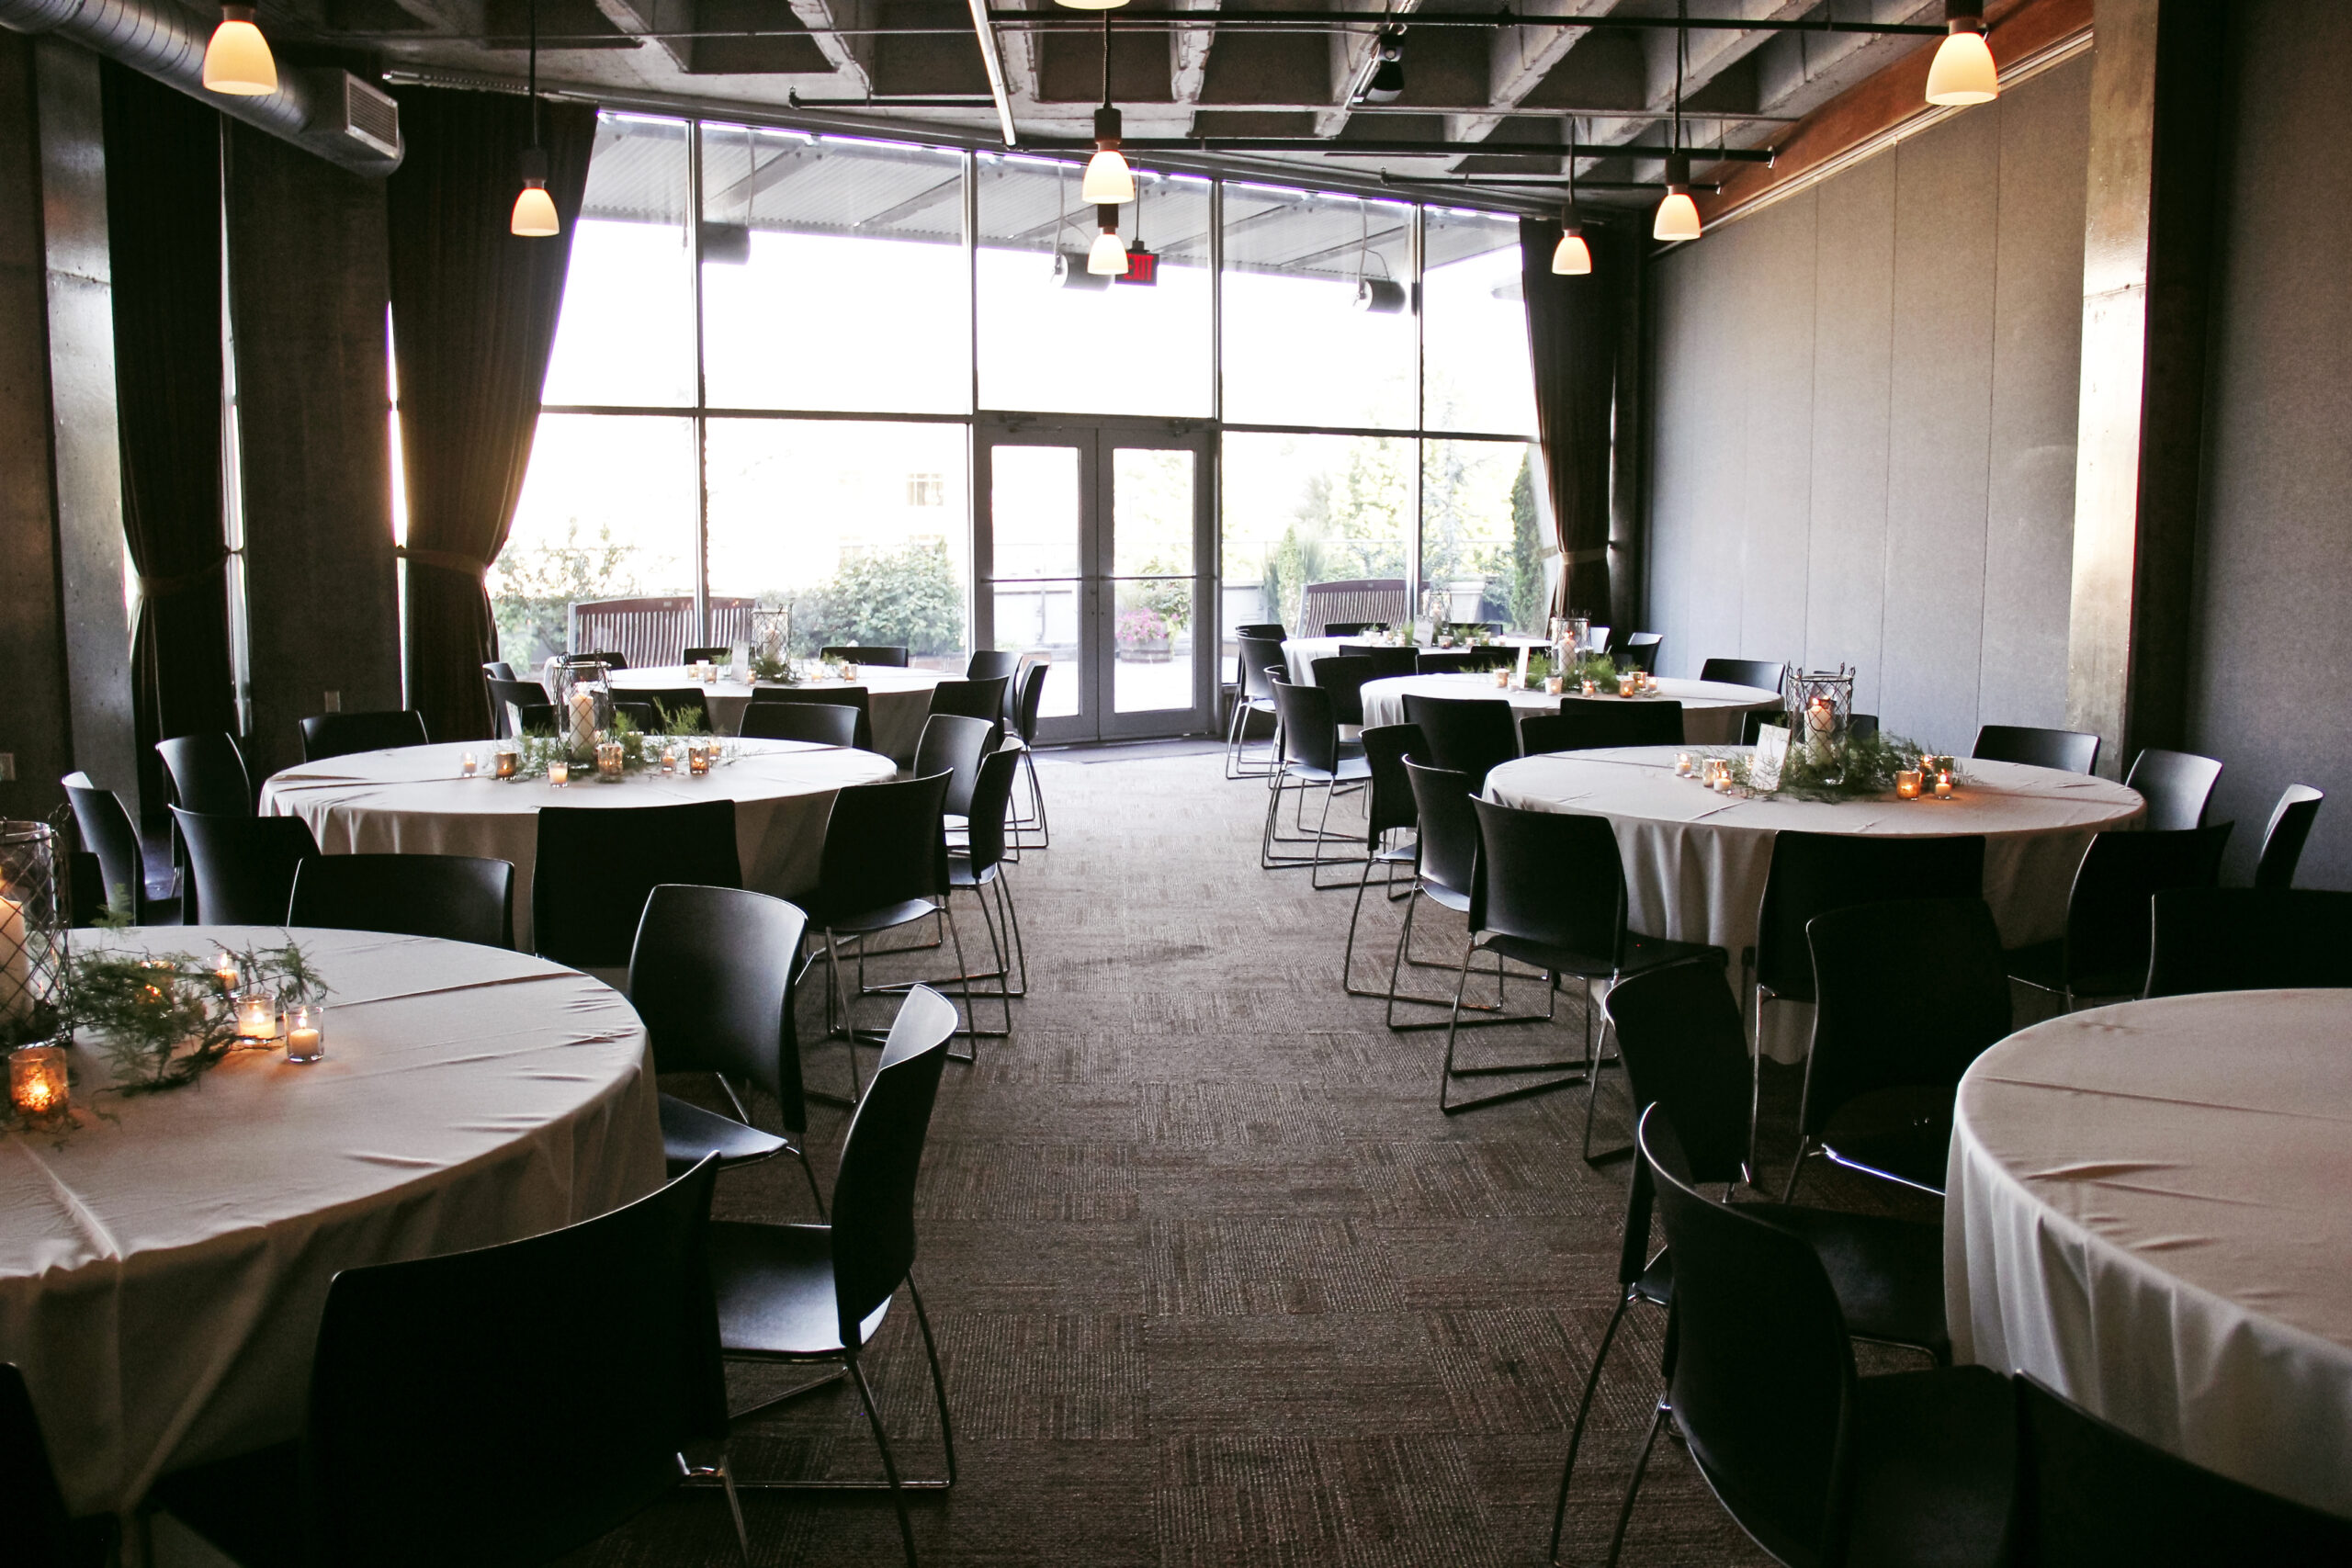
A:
(1012, 924)
(1521, 1091)
(971, 1024)
(811, 1172)
(735, 1507)
(1641, 1465)
(1584, 1410)
(889, 1462)
(938, 1382)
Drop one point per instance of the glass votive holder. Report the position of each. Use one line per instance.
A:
(1502, 679)
(1682, 764)
(1590, 688)
(506, 761)
(1628, 683)
(698, 757)
(468, 764)
(39, 1083)
(558, 774)
(1943, 785)
(224, 969)
(670, 757)
(1906, 783)
(256, 1015)
(1555, 685)
(611, 760)
(306, 1032)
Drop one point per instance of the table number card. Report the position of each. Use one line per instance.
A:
(1771, 750)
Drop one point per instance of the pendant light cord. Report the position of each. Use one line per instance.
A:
(534, 74)
(1106, 60)
(1681, 56)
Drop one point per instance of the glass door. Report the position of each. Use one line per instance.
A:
(1093, 545)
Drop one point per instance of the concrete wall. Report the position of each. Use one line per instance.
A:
(1863, 422)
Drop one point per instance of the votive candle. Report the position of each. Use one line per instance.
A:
(505, 761)
(224, 969)
(558, 774)
(1502, 679)
(1906, 783)
(468, 764)
(1682, 764)
(1628, 683)
(306, 1033)
(39, 1084)
(609, 761)
(697, 759)
(256, 1016)
(1944, 787)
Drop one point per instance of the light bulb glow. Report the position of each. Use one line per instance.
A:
(237, 61)
(535, 215)
(1572, 257)
(1108, 180)
(1963, 72)
(1092, 5)
(1109, 256)
(1677, 217)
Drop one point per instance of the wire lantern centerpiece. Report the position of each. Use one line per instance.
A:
(32, 935)
(1820, 704)
(581, 687)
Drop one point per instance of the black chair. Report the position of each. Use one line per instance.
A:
(341, 734)
(1811, 873)
(712, 976)
(977, 866)
(2105, 950)
(1639, 651)
(519, 707)
(1262, 661)
(1584, 724)
(454, 897)
(1766, 674)
(981, 699)
(1461, 660)
(2249, 939)
(668, 705)
(989, 664)
(2090, 1494)
(504, 1406)
(2177, 786)
(2282, 840)
(854, 698)
(241, 869)
(1031, 830)
(1445, 872)
(891, 658)
(498, 670)
(822, 724)
(717, 655)
(44, 1534)
(1343, 677)
(1471, 736)
(2069, 751)
(610, 657)
(595, 866)
(802, 1293)
(1350, 628)
(1388, 809)
(1683, 1047)
(1385, 661)
(1272, 630)
(107, 832)
(1817, 1465)
(1313, 756)
(1549, 892)
(1908, 994)
(953, 744)
(208, 773)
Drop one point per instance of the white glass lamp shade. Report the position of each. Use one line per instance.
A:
(1092, 5)
(1677, 217)
(535, 215)
(1108, 179)
(1963, 72)
(1109, 256)
(1572, 257)
(238, 61)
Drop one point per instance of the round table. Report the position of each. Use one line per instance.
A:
(1712, 710)
(899, 700)
(415, 800)
(2146, 1211)
(163, 1266)
(1299, 653)
(1695, 861)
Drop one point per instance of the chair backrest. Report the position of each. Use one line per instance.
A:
(1906, 992)
(472, 1409)
(454, 897)
(1310, 729)
(1349, 629)
(505, 696)
(108, 833)
(2090, 1494)
(1385, 661)
(671, 703)
(2249, 939)
(1468, 735)
(613, 658)
(243, 866)
(1683, 1045)
(2282, 840)
(885, 845)
(1259, 656)
(1460, 660)
(1028, 691)
(991, 803)
(982, 699)
(2108, 917)
(208, 773)
(1449, 828)
(854, 697)
(1551, 878)
(713, 652)
(341, 734)
(1763, 1373)
(1641, 649)
(989, 664)
(826, 723)
(1811, 873)
(711, 974)
(2176, 785)
(1380, 600)
(595, 867)
(1584, 724)
(1269, 629)
(498, 670)
(894, 658)
(1389, 804)
(1763, 673)
(953, 744)
(38, 1525)
(2069, 751)
(1343, 677)
(873, 1188)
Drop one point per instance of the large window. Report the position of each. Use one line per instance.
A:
(774, 344)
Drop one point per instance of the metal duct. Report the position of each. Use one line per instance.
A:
(159, 38)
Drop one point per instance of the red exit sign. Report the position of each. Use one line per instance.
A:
(1143, 268)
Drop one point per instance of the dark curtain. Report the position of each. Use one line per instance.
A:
(473, 317)
(162, 151)
(1573, 330)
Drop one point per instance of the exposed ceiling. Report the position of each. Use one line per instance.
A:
(1277, 85)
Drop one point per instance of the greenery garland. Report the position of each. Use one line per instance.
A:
(166, 1019)
(1850, 767)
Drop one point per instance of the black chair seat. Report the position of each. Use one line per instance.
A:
(1641, 953)
(1903, 1133)
(881, 918)
(249, 1506)
(774, 1285)
(1934, 1453)
(689, 1132)
(1352, 769)
(1888, 1273)
(961, 874)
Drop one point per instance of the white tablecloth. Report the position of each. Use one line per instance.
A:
(1301, 652)
(899, 700)
(163, 1269)
(1711, 709)
(2149, 1209)
(414, 801)
(1696, 861)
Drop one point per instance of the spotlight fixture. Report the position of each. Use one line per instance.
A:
(1386, 82)
(1571, 257)
(1963, 72)
(237, 61)
(1108, 178)
(1109, 256)
(535, 215)
(1379, 296)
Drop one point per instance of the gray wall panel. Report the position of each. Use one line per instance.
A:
(1776, 474)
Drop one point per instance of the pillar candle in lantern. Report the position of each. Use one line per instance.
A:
(584, 720)
(37, 1085)
(15, 963)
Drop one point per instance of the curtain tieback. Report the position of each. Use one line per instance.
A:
(1586, 558)
(161, 587)
(447, 560)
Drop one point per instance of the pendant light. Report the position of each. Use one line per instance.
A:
(1092, 5)
(1571, 257)
(237, 61)
(1109, 256)
(1108, 178)
(1678, 215)
(1963, 72)
(534, 217)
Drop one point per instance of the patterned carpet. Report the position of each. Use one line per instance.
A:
(1216, 1283)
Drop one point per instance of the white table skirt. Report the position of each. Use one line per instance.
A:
(2148, 1211)
(163, 1269)
(414, 801)
(898, 700)
(1696, 861)
(1712, 710)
